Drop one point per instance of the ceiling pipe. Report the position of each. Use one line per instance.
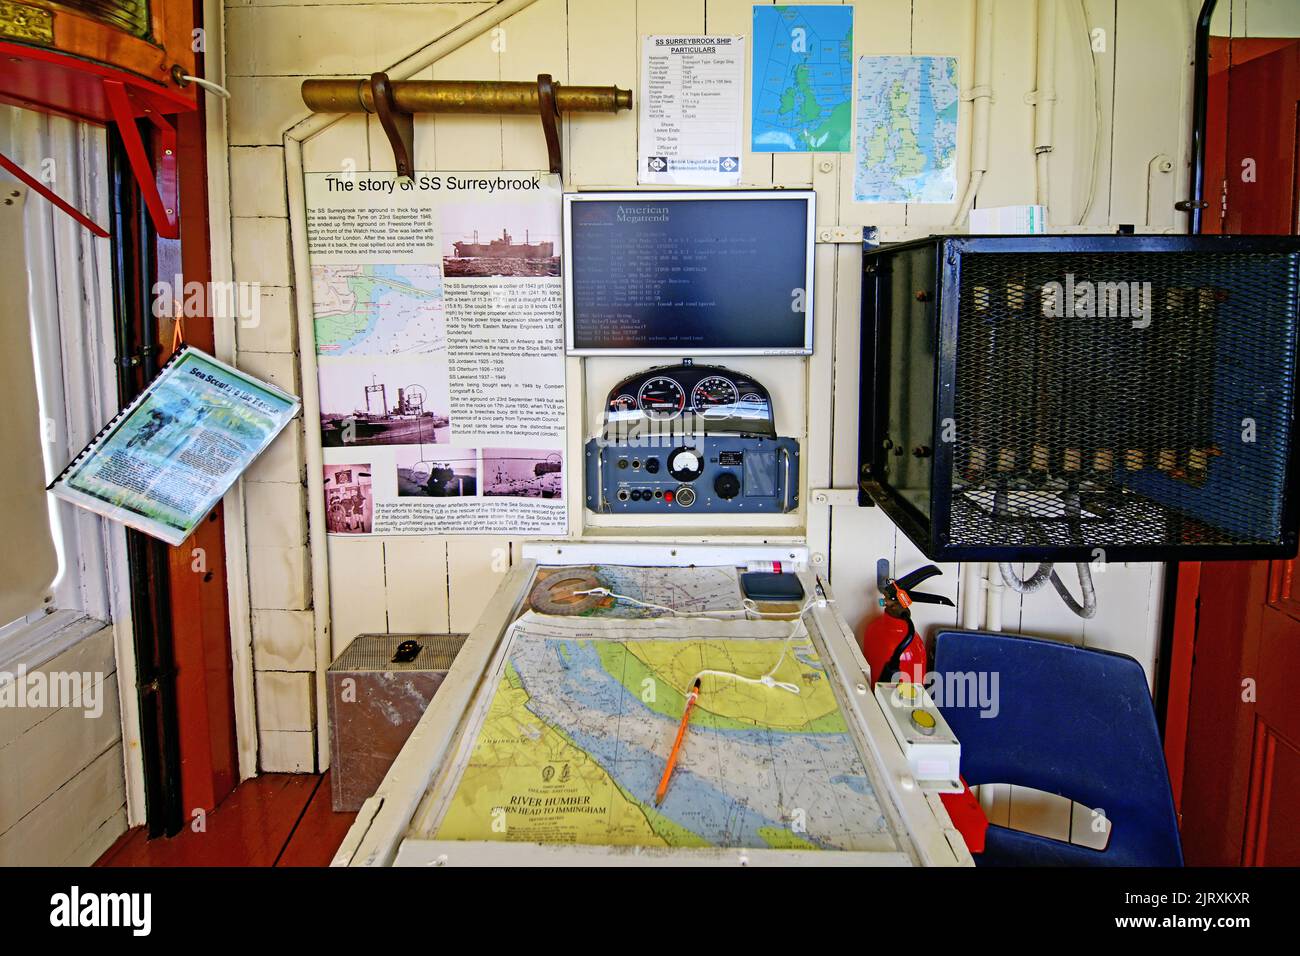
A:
(981, 94)
(1195, 203)
(1044, 103)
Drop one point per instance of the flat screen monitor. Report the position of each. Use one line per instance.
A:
(689, 273)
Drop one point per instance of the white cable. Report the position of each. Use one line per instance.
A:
(215, 88)
(1097, 117)
(749, 608)
(766, 680)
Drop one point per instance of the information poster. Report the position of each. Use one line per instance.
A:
(439, 327)
(692, 98)
(166, 460)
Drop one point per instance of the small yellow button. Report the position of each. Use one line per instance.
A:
(907, 691)
(923, 720)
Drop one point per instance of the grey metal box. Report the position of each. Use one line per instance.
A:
(375, 702)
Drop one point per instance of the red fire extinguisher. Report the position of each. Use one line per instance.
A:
(890, 642)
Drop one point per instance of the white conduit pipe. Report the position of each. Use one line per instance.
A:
(995, 588)
(294, 138)
(981, 93)
(1044, 98)
(974, 580)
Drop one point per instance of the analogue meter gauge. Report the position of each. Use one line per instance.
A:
(622, 406)
(662, 398)
(712, 393)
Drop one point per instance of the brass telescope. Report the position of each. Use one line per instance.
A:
(461, 96)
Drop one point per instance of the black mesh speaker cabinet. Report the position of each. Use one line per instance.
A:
(1082, 397)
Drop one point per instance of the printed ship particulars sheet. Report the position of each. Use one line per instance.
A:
(439, 325)
(692, 95)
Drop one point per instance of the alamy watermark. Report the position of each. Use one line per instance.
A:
(74, 689)
(240, 301)
(1098, 300)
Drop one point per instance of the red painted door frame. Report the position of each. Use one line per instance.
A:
(200, 614)
(1232, 729)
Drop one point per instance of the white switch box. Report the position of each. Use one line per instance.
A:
(932, 750)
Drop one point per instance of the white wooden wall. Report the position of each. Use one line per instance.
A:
(435, 584)
(62, 793)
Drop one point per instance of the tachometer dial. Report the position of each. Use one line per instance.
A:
(662, 398)
(713, 392)
(623, 404)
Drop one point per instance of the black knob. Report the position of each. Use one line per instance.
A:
(726, 485)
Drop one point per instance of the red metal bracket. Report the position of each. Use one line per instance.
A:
(39, 187)
(159, 188)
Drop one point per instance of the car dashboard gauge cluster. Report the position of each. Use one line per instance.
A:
(687, 439)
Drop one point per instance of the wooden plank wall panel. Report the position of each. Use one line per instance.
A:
(1010, 178)
(1151, 111)
(62, 789)
(72, 822)
(601, 149)
(533, 41)
(886, 30)
(940, 30)
(416, 585)
(593, 41)
(736, 18)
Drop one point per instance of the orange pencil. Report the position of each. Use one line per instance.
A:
(677, 744)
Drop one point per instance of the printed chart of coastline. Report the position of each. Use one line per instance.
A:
(438, 321)
(570, 746)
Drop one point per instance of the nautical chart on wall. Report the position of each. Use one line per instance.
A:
(438, 322)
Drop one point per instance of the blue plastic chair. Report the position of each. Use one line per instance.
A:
(1070, 721)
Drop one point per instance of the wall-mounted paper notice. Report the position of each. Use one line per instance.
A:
(906, 129)
(162, 464)
(1008, 220)
(439, 322)
(692, 95)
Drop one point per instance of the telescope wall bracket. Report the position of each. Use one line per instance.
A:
(550, 121)
(399, 126)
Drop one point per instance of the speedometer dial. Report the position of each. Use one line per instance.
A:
(713, 392)
(662, 398)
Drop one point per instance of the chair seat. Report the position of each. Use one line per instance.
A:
(1007, 847)
(1067, 720)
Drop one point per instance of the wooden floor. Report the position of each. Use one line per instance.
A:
(277, 819)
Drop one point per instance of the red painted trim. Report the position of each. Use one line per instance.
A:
(200, 613)
(53, 81)
(163, 216)
(1177, 707)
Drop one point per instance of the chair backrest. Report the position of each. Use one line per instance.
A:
(1067, 720)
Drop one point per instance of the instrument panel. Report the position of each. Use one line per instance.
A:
(691, 438)
(704, 398)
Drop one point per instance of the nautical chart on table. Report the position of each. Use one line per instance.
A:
(635, 592)
(569, 744)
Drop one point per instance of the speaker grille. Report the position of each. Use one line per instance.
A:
(1112, 400)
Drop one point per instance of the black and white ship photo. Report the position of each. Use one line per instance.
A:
(490, 241)
(379, 403)
(439, 472)
(523, 472)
